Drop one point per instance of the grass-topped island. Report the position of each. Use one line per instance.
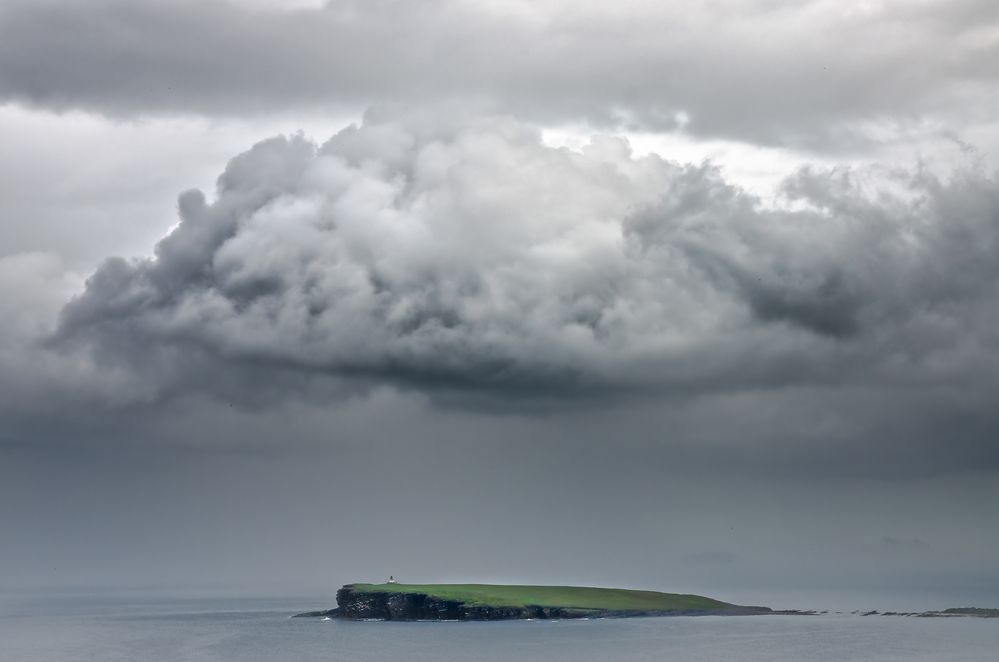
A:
(485, 602)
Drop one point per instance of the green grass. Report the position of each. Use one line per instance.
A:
(575, 597)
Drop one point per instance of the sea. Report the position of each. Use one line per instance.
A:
(74, 628)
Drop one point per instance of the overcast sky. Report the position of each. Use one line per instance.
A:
(697, 298)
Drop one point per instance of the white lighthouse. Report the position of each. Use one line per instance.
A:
(391, 580)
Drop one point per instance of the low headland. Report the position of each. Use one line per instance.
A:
(489, 602)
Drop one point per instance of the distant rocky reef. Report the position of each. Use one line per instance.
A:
(953, 612)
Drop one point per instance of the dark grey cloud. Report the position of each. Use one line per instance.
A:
(807, 74)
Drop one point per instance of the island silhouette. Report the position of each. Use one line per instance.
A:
(393, 601)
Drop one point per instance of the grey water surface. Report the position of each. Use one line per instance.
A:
(112, 629)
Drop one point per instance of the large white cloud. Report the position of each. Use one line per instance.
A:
(462, 253)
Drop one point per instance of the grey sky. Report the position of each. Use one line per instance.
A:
(285, 286)
(819, 73)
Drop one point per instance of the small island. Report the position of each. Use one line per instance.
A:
(488, 602)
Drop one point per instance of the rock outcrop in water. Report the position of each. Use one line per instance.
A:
(353, 604)
(953, 612)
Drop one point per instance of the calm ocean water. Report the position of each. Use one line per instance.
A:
(58, 629)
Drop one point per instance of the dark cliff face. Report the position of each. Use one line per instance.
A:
(356, 605)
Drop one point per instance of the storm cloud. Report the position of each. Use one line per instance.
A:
(462, 254)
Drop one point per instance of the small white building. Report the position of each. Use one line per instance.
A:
(391, 580)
